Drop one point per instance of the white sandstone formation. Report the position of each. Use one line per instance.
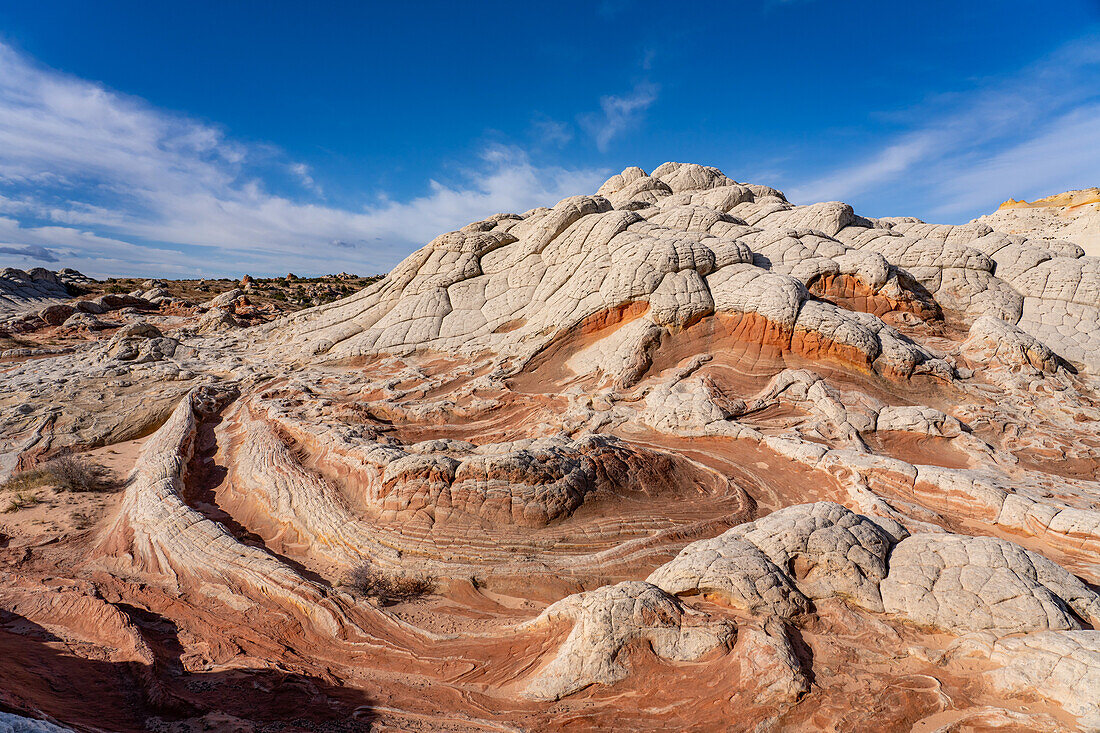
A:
(24, 291)
(605, 621)
(676, 454)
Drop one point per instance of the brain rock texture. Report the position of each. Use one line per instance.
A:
(679, 454)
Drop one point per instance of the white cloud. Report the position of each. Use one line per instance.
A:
(1035, 131)
(302, 171)
(619, 113)
(94, 177)
(36, 246)
(887, 164)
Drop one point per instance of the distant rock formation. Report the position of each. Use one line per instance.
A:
(23, 291)
(1073, 216)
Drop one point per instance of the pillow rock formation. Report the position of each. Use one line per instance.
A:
(21, 291)
(677, 455)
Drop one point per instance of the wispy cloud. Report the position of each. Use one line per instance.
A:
(619, 113)
(110, 184)
(1064, 155)
(612, 8)
(1032, 134)
(506, 181)
(302, 171)
(549, 132)
(885, 165)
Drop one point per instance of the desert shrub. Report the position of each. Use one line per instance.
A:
(67, 472)
(385, 588)
(74, 473)
(75, 290)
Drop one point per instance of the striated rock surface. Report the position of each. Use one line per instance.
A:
(674, 455)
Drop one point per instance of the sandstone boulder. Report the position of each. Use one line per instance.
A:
(967, 584)
(605, 621)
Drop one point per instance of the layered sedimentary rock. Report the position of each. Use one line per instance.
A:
(678, 454)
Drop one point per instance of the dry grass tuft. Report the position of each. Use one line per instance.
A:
(21, 500)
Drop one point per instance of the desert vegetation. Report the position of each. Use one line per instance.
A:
(66, 472)
(387, 587)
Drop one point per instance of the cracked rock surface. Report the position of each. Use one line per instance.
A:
(965, 584)
(676, 454)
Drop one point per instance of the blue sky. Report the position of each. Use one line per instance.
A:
(209, 139)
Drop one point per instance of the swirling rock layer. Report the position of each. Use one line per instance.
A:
(676, 455)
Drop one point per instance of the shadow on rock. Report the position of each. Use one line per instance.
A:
(44, 678)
